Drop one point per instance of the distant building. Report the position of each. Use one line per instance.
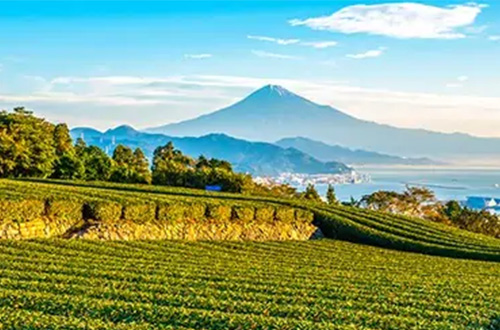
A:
(489, 204)
(213, 188)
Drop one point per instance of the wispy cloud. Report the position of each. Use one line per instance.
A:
(261, 53)
(320, 44)
(494, 38)
(198, 56)
(398, 20)
(275, 40)
(459, 82)
(368, 54)
(285, 42)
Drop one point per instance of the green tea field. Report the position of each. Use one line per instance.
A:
(372, 271)
(325, 284)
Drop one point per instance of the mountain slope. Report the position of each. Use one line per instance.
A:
(326, 152)
(272, 113)
(254, 157)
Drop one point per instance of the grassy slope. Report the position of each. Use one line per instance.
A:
(340, 222)
(326, 284)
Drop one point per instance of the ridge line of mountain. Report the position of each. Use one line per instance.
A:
(279, 113)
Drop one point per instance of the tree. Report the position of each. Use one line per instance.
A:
(331, 198)
(26, 144)
(141, 167)
(123, 158)
(170, 166)
(311, 194)
(387, 201)
(415, 200)
(202, 162)
(62, 140)
(97, 164)
(69, 167)
(452, 210)
(123, 155)
(67, 164)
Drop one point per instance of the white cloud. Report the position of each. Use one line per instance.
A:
(197, 56)
(494, 38)
(462, 78)
(275, 40)
(319, 44)
(261, 53)
(368, 54)
(398, 20)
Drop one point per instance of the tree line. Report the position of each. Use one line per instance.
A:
(422, 203)
(33, 147)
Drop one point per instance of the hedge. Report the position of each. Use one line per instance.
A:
(264, 213)
(284, 214)
(21, 210)
(304, 216)
(102, 211)
(220, 213)
(145, 212)
(243, 213)
(171, 212)
(195, 211)
(64, 209)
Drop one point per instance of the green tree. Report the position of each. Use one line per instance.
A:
(123, 159)
(452, 210)
(170, 166)
(98, 165)
(311, 194)
(141, 167)
(62, 140)
(26, 145)
(69, 167)
(331, 198)
(67, 164)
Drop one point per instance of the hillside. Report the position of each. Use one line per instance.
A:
(154, 257)
(257, 158)
(138, 209)
(326, 152)
(272, 113)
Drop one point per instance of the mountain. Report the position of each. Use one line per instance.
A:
(257, 158)
(326, 152)
(272, 113)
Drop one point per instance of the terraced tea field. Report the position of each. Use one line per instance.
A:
(324, 284)
(65, 204)
(363, 278)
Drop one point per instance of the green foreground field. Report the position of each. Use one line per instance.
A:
(323, 284)
(363, 278)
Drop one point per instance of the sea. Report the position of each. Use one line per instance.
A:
(447, 183)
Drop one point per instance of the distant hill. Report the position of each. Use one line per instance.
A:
(256, 158)
(326, 152)
(272, 113)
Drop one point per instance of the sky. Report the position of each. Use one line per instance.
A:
(428, 64)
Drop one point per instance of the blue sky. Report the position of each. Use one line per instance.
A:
(431, 64)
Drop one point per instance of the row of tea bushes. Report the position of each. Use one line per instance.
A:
(141, 211)
(177, 211)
